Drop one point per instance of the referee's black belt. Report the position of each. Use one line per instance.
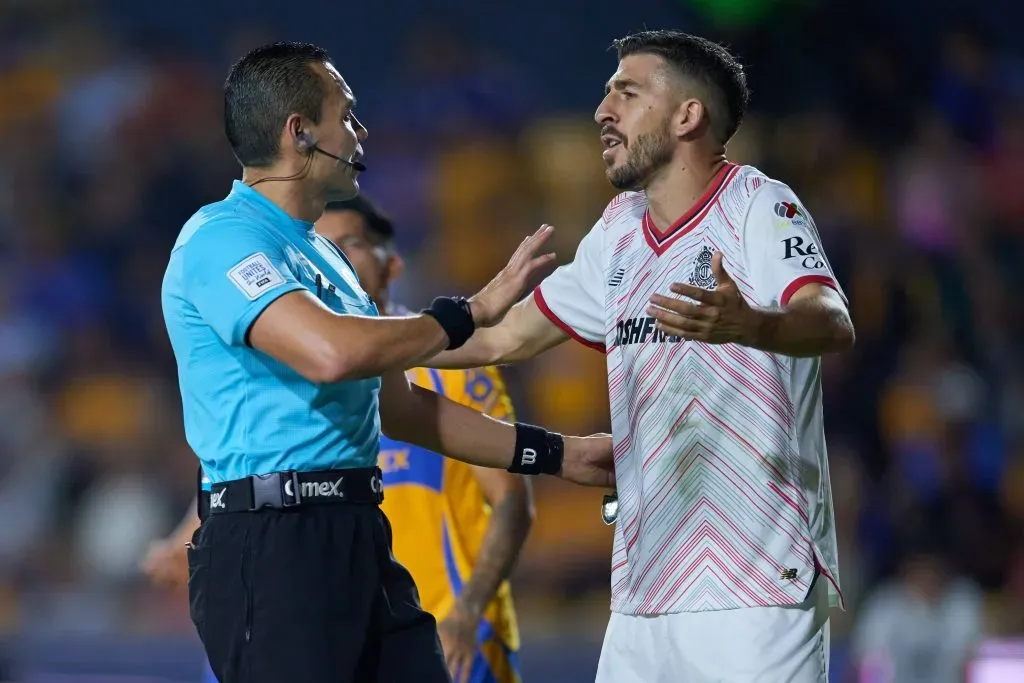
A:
(291, 489)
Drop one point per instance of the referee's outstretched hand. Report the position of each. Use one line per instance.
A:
(588, 460)
(491, 303)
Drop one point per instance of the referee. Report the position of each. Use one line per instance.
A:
(287, 377)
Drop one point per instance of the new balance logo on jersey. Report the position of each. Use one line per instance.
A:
(616, 278)
(795, 247)
(640, 331)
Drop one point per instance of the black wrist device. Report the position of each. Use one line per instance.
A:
(455, 317)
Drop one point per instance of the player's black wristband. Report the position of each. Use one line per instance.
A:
(455, 318)
(538, 451)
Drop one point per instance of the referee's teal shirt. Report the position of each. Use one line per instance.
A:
(246, 413)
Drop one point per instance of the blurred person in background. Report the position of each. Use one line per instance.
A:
(725, 561)
(921, 626)
(459, 528)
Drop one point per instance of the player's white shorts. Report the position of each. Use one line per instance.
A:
(750, 645)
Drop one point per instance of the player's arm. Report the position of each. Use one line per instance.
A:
(509, 496)
(813, 323)
(512, 514)
(415, 415)
(239, 280)
(568, 303)
(524, 332)
(806, 313)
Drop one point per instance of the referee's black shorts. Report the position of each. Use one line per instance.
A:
(309, 595)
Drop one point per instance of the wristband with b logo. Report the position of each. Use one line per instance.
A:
(538, 451)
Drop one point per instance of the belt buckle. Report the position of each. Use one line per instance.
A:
(269, 491)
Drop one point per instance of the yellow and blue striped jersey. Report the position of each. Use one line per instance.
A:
(439, 517)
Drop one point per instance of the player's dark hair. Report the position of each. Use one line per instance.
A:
(262, 90)
(377, 222)
(703, 61)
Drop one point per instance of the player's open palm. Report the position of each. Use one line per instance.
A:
(720, 316)
(588, 460)
(492, 302)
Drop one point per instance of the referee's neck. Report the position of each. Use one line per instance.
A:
(297, 198)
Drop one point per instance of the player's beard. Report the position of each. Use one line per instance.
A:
(646, 155)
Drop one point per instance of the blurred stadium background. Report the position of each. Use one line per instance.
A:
(899, 122)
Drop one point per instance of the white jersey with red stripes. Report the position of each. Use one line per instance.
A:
(720, 461)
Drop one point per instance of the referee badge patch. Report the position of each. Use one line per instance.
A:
(255, 275)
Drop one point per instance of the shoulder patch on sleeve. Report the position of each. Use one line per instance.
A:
(255, 275)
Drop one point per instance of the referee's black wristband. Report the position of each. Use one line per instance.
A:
(538, 451)
(455, 318)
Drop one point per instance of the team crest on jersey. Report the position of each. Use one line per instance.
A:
(702, 276)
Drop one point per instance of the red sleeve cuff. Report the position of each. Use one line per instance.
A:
(538, 296)
(794, 286)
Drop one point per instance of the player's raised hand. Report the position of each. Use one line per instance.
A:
(720, 316)
(588, 460)
(492, 302)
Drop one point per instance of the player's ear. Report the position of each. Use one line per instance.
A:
(396, 266)
(691, 118)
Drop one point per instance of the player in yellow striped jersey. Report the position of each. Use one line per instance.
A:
(458, 529)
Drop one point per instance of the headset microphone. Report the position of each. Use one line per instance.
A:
(357, 165)
(307, 144)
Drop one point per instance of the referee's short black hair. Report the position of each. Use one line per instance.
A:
(377, 222)
(704, 62)
(262, 90)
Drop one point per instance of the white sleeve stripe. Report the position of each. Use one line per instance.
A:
(542, 304)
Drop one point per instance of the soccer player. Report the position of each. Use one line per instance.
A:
(706, 286)
(288, 376)
(458, 528)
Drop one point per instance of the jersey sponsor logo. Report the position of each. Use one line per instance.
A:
(807, 252)
(316, 489)
(255, 275)
(640, 331)
(393, 460)
(790, 213)
(702, 276)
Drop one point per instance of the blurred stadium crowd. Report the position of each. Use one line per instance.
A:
(912, 165)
